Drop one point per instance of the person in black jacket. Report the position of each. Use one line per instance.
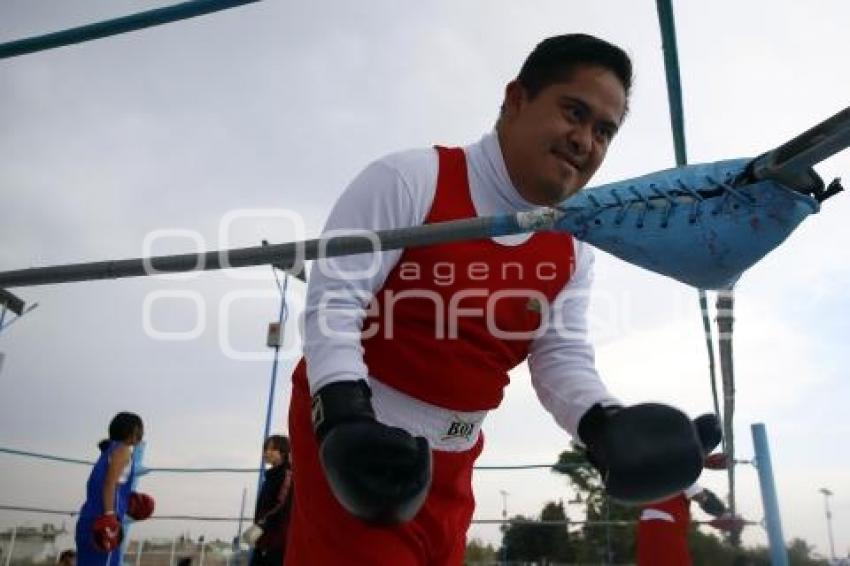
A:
(274, 504)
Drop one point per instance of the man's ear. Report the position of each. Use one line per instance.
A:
(514, 98)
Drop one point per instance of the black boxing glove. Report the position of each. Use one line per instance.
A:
(378, 473)
(645, 452)
(708, 431)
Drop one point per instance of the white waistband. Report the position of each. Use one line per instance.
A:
(649, 514)
(445, 429)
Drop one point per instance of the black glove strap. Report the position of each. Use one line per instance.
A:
(343, 401)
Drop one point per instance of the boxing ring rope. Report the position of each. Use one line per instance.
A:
(210, 518)
(221, 519)
(492, 467)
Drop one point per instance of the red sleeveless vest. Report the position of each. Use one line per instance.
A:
(452, 319)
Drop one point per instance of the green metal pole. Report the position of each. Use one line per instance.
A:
(116, 26)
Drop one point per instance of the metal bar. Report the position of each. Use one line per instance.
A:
(674, 84)
(281, 318)
(3, 326)
(725, 302)
(725, 321)
(10, 301)
(772, 518)
(289, 256)
(666, 22)
(805, 150)
(709, 345)
(116, 26)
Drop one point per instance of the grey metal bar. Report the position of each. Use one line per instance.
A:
(725, 320)
(786, 162)
(11, 302)
(674, 84)
(116, 26)
(288, 256)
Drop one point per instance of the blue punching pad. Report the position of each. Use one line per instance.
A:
(703, 225)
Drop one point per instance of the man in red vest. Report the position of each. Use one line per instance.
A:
(406, 351)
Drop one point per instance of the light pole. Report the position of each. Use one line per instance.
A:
(826, 495)
(237, 539)
(504, 495)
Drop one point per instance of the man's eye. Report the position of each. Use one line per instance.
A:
(605, 133)
(573, 113)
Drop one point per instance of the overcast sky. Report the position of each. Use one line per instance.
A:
(247, 124)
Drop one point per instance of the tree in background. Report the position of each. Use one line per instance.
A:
(706, 549)
(522, 540)
(800, 554)
(611, 543)
(479, 553)
(710, 550)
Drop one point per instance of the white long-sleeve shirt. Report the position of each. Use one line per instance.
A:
(398, 191)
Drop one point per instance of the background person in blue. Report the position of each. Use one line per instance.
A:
(109, 495)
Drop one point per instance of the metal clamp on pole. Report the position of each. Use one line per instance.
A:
(791, 162)
(11, 302)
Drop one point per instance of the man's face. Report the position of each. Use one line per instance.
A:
(554, 143)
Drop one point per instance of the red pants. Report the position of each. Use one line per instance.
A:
(322, 533)
(662, 543)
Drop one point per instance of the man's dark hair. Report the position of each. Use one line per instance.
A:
(554, 59)
(122, 427)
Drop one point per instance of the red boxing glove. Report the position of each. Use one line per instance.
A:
(716, 461)
(140, 506)
(107, 532)
(729, 523)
